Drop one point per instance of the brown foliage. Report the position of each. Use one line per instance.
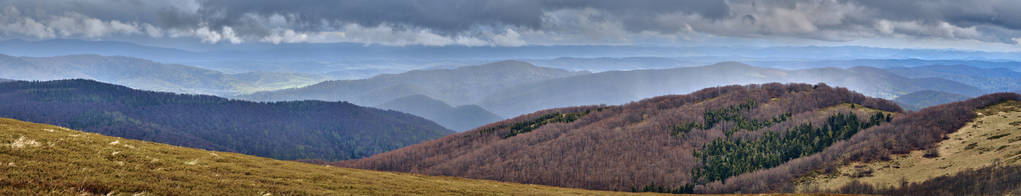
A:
(615, 147)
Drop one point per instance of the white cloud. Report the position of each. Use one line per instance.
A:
(1018, 40)
(208, 35)
(508, 38)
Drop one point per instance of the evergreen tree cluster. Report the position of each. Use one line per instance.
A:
(734, 113)
(723, 158)
(556, 117)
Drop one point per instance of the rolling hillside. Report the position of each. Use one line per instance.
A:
(39, 159)
(460, 86)
(148, 75)
(747, 139)
(923, 99)
(281, 130)
(667, 143)
(460, 118)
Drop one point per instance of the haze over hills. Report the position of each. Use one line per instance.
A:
(460, 86)
(988, 79)
(44, 159)
(923, 99)
(602, 64)
(460, 118)
(149, 75)
(281, 130)
(618, 87)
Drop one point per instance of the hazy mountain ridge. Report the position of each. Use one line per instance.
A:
(610, 64)
(526, 94)
(460, 118)
(989, 79)
(282, 130)
(923, 99)
(460, 86)
(618, 87)
(146, 74)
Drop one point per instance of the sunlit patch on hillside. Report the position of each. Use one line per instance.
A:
(993, 138)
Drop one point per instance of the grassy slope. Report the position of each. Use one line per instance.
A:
(39, 159)
(996, 135)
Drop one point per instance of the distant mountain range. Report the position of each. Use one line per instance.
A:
(148, 75)
(611, 64)
(620, 87)
(511, 88)
(460, 86)
(988, 79)
(319, 58)
(281, 130)
(460, 118)
(923, 99)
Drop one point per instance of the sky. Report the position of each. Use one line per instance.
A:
(988, 25)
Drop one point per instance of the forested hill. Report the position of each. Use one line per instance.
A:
(282, 130)
(675, 143)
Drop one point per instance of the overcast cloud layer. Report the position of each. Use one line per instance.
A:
(514, 22)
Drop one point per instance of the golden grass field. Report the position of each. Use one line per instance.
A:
(40, 159)
(994, 137)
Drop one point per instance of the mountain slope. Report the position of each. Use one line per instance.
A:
(653, 142)
(460, 118)
(460, 86)
(43, 159)
(618, 87)
(282, 130)
(990, 140)
(145, 74)
(923, 99)
(989, 79)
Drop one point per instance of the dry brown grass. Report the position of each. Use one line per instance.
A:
(40, 159)
(989, 139)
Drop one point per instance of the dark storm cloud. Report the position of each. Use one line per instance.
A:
(510, 21)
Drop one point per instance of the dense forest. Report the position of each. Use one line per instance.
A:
(282, 130)
(656, 144)
(724, 158)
